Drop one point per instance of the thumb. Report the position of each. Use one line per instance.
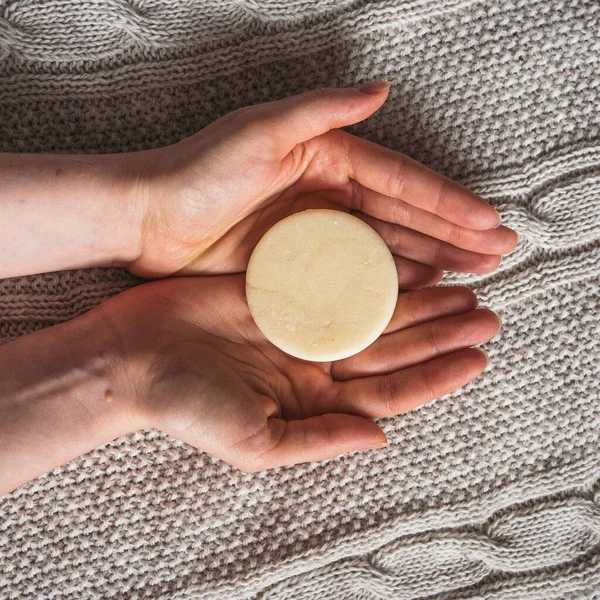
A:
(296, 119)
(306, 440)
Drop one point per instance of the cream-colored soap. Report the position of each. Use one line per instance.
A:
(321, 285)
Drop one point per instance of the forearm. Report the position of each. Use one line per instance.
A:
(63, 391)
(68, 211)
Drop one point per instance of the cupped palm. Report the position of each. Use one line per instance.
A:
(214, 381)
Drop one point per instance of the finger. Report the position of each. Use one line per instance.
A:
(394, 174)
(401, 391)
(420, 306)
(419, 247)
(296, 119)
(499, 240)
(412, 275)
(419, 344)
(312, 439)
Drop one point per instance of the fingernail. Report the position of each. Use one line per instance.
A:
(374, 87)
(487, 359)
(375, 444)
(499, 221)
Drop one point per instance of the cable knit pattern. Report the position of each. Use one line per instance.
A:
(491, 493)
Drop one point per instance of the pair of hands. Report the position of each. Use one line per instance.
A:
(203, 371)
(183, 354)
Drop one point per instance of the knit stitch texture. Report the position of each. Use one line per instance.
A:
(490, 493)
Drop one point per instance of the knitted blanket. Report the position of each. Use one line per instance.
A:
(489, 493)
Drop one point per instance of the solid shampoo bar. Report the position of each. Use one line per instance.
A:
(321, 285)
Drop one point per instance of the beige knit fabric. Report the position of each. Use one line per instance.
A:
(490, 493)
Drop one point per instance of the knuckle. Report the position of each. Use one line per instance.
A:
(457, 235)
(356, 195)
(429, 382)
(443, 255)
(388, 391)
(441, 195)
(401, 213)
(413, 303)
(466, 260)
(461, 237)
(396, 180)
(434, 334)
(385, 356)
(395, 238)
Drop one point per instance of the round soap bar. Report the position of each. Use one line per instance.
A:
(321, 285)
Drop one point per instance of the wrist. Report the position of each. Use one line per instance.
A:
(122, 191)
(122, 371)
(79, 396)
(129, 323)
(62, 212)
(148, 177)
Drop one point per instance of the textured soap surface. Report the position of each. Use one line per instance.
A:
(321, 285)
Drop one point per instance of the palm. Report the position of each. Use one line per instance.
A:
(306, 178)
(221, 386)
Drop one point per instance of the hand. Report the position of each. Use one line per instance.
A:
(209, 198)
(201, 205)
(206, 375)
(184, 355)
